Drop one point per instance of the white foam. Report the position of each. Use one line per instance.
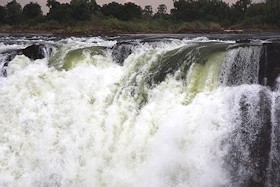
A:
(84, 127)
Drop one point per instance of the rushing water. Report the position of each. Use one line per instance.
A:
(121, 112)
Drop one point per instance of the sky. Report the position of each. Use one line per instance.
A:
(142, 3)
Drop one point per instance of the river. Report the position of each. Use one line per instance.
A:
(140, 110)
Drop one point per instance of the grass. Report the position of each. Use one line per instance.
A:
(100, 25)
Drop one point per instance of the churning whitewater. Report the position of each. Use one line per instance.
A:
(155, 113)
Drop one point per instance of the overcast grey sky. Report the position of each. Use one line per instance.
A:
(142, 3)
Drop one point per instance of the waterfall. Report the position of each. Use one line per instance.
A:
(139, 112)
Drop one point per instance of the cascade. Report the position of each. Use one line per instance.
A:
(126, 111)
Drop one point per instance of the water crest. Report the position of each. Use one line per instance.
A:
(139, 112)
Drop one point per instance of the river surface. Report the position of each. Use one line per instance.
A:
(138, 110)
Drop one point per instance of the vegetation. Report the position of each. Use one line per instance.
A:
(86, 16)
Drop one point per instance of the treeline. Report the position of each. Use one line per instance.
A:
(243, 12)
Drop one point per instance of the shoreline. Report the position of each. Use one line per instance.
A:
(68, 33)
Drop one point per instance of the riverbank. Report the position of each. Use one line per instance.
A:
(116, 27)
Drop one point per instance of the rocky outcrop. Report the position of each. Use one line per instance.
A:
(121, 51)
(243, 41)
(35, 51)
(250, 142)
(269, 64)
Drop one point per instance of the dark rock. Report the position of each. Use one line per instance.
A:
(243, 41)
(121, 51)
(34, 52)
(250, 143)
(273, 171)
(269, 64)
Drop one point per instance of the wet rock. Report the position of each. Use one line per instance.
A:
(121, 51)
(34, 51)
(269, 64)
(273, 171)
(250, 142)
(243, 41)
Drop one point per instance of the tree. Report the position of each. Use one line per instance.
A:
(214, 10)
(32, 10)
(91, 5)
(148, 11)
(3, 14)
(162, 9)
(243, 5)
(130, 11)
(203, 10)
(59, 12)
(255, 14)
(112, 9)
(272, 13)
(239, 9)
(80, 9)
(52, 4)
(14, 12)
(185, 10)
